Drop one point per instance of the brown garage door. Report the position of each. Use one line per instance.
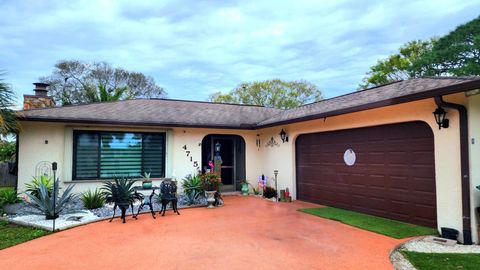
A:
(393, 175)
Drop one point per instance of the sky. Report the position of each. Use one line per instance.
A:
(194, 48)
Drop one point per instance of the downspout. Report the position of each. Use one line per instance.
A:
(17, 149)
(465, 167)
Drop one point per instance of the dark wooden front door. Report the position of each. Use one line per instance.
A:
(393, 171)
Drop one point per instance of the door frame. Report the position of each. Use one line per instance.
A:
(238, 157)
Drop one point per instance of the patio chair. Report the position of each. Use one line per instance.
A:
(168, 194)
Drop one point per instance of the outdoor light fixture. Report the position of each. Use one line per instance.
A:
(440, 114)
(218, 146)
(283, 136)
(54, 169)
(257, 141)
(275, 172)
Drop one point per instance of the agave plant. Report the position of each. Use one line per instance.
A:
(120, 191)
(192, 186)
(34, 187)
(50, 203)
(93, 199)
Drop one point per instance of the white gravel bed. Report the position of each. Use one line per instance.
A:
(61, 223)
(399, 262)
(420, 245)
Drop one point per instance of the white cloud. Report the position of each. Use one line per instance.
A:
(197, 47)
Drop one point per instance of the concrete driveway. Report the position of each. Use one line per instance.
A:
(247, 233)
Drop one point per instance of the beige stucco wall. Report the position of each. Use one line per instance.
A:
(60, 149)
(282, 158)
(474, 143)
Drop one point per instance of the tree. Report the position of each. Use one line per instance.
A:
(7, 150)
(102, 94)
(455, 54)
(398, 66)
(71, 82)
(8, 119)
(271, 93)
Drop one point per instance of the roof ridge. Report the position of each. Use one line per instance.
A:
(348, 94)
(212, 102)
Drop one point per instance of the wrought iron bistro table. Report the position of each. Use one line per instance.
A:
(145, 200)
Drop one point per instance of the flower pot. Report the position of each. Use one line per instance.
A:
(147, 184)
(13, 209)
(244, 189)
(210, 198)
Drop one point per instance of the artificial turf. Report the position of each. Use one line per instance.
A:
(444, 261)
(391, 228)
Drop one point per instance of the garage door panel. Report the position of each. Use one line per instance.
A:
(393, 176)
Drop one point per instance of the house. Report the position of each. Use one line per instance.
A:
(379, 151)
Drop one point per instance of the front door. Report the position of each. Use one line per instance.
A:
(227, 155)
(231, 151)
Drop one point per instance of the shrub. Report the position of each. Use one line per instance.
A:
(192, 186)
(34, 186)
(44, 202)
(120, 190)
(269, 193)
(93, 199)
(210, 181)
(9, 196)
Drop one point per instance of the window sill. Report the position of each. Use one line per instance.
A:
(110, 180)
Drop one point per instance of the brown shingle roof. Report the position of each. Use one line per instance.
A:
(160, 112)
(385, 95)
(164, 112)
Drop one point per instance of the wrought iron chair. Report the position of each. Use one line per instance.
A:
(121, 203)
(168, 194)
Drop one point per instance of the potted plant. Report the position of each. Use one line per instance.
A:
(210, 183)
(10, 201)
(245, 188)
(146, 183)
(270, 193)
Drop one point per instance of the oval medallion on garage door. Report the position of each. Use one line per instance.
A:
(349, 157)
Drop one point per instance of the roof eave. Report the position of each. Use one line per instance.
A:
(129, 123)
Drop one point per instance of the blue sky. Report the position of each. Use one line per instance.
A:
(194, 48)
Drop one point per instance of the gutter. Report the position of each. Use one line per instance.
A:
(465, 167)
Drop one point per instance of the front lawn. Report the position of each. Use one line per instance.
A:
(392, 228)
(444, 261)
(11, 234)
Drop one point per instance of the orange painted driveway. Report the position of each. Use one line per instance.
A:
(247, 233)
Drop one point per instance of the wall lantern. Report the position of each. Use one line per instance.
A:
(283, 136)
(257, 141)
(440, 114)
(217, 148)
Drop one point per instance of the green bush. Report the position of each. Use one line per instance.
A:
(34, 187)
(93, 199)
(9, 196)
(7, 150)
(192, 186)
(269, 193)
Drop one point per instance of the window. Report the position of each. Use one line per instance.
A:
(104, 155)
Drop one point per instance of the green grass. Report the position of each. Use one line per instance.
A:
(443, 261)
(11, 234)
(392, 228)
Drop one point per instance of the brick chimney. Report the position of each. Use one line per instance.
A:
(40, 99)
